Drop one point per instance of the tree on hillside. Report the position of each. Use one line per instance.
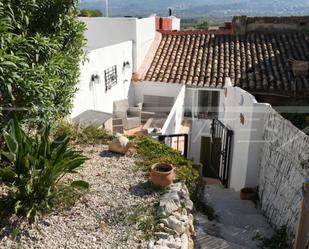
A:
(203, 25)
(90, 13)
(40, 51)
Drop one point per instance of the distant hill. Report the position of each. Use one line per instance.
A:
(220, 9)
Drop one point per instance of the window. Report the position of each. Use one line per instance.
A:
(110, 77)
(208, 104)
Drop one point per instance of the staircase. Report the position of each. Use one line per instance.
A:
(237, 224)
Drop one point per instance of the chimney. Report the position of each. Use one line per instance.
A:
(170, 13)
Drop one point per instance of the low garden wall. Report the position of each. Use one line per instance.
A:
(176, 228)
(283, 166)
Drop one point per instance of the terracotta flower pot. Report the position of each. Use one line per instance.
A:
(162, 174)
(248, 194)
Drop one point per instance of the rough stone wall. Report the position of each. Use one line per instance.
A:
(283, 167)
(176, 229)
(243, 24)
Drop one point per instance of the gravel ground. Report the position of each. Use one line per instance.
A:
(99, 219)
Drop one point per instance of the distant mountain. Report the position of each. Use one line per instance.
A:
(201, 8)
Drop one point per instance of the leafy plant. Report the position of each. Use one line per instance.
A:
(146, 218)
(80, 134)
(278, 241)
(90, 13)
(203, 25)
(40, 52)
(154, 152)
(36, 167)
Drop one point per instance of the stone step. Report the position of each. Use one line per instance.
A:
(211, 242)
(208, 235)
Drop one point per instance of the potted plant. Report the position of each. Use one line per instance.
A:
(248, 194)
(162, 174)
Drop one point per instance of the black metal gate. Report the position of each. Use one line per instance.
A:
(178, 142)
(221, 140)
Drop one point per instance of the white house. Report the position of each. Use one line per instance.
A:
(208, 74)
(216, 80)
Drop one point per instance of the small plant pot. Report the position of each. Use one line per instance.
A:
(248, 194)
(162, 174)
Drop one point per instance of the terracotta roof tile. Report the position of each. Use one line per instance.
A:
(257, 62)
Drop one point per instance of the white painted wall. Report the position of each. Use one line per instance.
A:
(141, 88)
(173, 122)
(175, 23)
(106, 31)
(93, 96)
(145, 35)
(247, 138)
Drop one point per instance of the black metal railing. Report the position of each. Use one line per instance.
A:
(221, 150)
(175, 142)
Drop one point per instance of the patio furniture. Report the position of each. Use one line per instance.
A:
(117, 125)
(131, 116)
(148, 123)
(156, 107)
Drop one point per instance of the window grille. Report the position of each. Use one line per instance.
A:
(110, 77)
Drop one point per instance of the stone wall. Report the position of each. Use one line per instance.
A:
(283, 167)
(176, 228)
(244, 24)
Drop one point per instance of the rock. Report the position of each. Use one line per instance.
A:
(160, 247)
(184, 241)
(169, 206)
(177, 215)
(174, 243)
(171, 195)
(188, 205)
(184, 219)
(119, 145)
(191, 226)
(184, 192)
(151, 244)
(173, 223)
(162, 242)
(162, 235)
(165, 229)
(169, 203)
(190, 216)
(176, 187)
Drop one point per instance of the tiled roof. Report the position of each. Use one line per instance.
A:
(257, 62)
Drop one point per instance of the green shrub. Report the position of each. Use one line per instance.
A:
(80, 134)
(40, 52)
(36, 167)
(154, 152)
(90, 13)
(146, 218)
(280, 240)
